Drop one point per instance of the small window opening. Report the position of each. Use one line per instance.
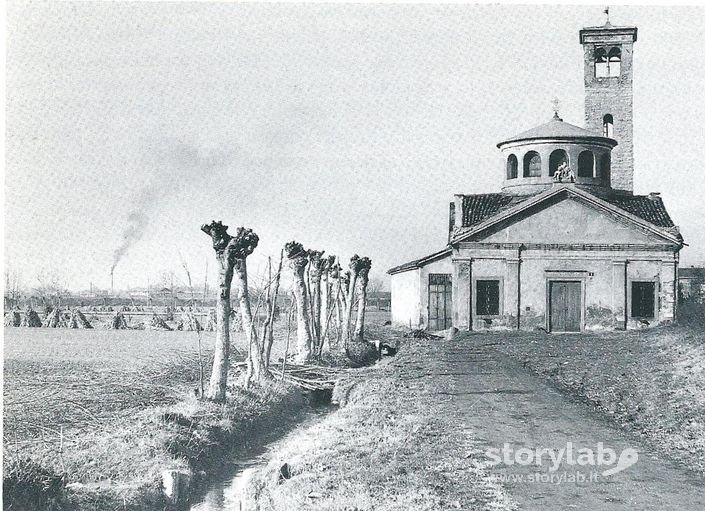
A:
(608, 126)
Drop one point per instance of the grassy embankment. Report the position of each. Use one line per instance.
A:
(650, 382)
(104, 412)
(388, 447)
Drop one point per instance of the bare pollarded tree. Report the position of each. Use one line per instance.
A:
(231, 254)
(364, 265)
(316, 267)
(297, 257)
(356, 265)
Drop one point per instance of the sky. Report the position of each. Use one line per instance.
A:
(345, 127)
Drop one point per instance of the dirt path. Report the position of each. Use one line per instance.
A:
(502, 404)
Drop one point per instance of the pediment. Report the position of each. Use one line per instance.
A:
(568, 219)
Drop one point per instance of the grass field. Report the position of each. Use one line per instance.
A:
(79, 379)
(110, 408)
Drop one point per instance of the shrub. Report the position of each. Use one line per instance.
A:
(29, 486)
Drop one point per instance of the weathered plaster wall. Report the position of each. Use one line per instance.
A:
(405, 288)
(410, 293)
(605, 297)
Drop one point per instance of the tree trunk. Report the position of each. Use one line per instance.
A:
(349, 302)
(303, 315)
(361, 303)
(298, 260)
(221, 359)
(231, 253)
(256, 370)
(324, 306)
(315, 269)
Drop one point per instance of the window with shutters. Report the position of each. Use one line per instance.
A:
(487, 297)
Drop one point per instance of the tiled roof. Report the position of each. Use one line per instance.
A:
(480, 207)
(649, 208)
(691, 273)
(418, 263)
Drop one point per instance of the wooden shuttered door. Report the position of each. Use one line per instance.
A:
(440, 308)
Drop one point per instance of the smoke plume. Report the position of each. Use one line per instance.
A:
(136, 223)
(174, 163)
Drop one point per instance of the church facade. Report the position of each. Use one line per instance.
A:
(610, 262)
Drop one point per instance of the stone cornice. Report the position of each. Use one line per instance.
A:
(611, 247)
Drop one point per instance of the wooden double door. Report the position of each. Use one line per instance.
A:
(565, 306)
(440, 301)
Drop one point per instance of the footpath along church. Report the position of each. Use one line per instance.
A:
(610, 263)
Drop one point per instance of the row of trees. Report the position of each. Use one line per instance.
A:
(325, 297)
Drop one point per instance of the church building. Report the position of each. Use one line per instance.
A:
(610, 262)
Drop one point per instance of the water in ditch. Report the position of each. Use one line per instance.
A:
(225, 491)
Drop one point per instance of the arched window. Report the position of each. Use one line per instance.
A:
(605, 166)
(586, 164)
(558, 157)
(512, 167)
(532, 164)
(614, 62)
(601, 69)
(608, 126)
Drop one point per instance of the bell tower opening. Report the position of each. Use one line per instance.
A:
(608, 58)
(608, 126)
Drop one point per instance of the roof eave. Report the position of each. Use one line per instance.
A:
(421, 262)
(511, 211)
(607, 141)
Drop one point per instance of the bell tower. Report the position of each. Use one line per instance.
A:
(608, 52)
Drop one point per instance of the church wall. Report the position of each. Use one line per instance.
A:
(600, 305)
(605, 277)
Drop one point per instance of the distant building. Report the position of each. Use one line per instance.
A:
(381, 300)
(565, 245)
(691, 283)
